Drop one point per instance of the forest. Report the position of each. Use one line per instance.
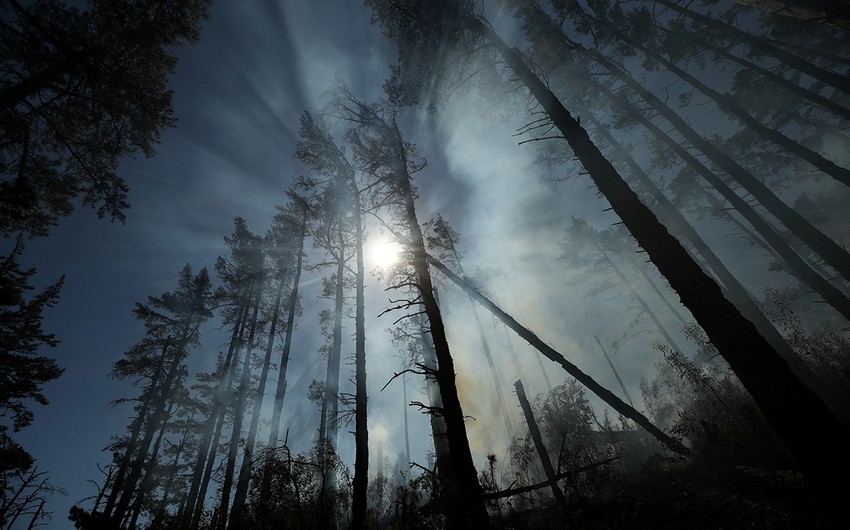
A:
(510, 264)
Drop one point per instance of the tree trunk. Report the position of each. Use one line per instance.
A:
(606, 395)
(212, 428)
(728, 104)
(614, 369)
(763, 46)
(829, 293)
(466, 506)
(239, 414)
(442, 452)
(828, 249)
(360, 483)
(538, 444)
(776, 79)
(156, 418)
(280, 393)
(245, 469)
(127, 458)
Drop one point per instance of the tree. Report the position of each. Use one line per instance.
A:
(79, 91)
(382, 153)
(172, 322)
(23, 367)
(319, 151)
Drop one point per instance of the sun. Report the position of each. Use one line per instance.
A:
(384, 254)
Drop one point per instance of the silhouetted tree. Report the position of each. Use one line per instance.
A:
(79, 91)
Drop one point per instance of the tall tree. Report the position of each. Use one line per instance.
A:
(172, 322)
(79, 91)
(23, 367)
(244, 273)
(319, 150)
(283, 221)
(381, 151)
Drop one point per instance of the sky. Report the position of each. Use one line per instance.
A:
(238, 94)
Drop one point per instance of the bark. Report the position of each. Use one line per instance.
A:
(538, 444)
(763, 46)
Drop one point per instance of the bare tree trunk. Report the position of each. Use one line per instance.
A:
(828, 249)
(538, 444)
(467, 505)
(777, 79)
(360, 483)
(127, 458)
(616, 373)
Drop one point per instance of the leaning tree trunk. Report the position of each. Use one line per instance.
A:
(830, 293)
(728, 105)
(829, 250)
(550, 353)
(809, 429)
(763, 46)
(127, 458)
(539, 445)
(442, 452)
(768, 75)
(212, 427)
(153, 423)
